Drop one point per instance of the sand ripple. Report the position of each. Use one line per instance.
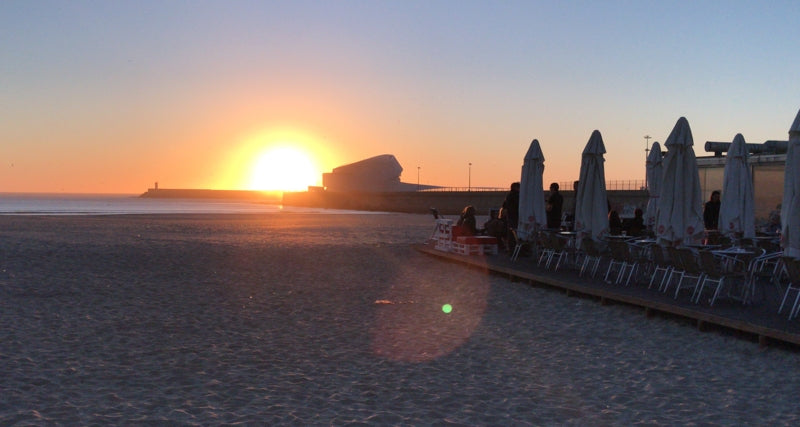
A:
(272, 320)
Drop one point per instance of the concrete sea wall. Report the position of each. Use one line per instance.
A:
(446, 202)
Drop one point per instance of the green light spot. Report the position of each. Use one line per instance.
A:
(447, 308)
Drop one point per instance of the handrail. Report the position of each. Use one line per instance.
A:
(615, 185)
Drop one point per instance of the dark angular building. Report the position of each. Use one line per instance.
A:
(376, 174)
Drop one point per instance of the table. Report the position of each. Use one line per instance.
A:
(733, 251)
(701, 247)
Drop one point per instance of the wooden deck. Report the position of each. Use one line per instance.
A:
(759, 321)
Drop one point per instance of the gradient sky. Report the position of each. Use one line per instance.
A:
(111, 96)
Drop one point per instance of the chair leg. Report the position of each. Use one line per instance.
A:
(785, 295)
(608, 271)
(596, 266)
(669, 279)
(630, 268)
(716, 292)
(634, 268)
(621, 272)
(652, 279)
(793, 311)
(662, 287)
(678, 287)
(698, 290)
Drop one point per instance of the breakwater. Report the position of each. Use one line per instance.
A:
(446, 202)
(272, 197)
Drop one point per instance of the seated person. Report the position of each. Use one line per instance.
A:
(614, 223)
(496, 227)
(636, 227)
(774, 222)
(466, 222)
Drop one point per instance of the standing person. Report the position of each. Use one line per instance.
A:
(555, 202)
(510, 214)
(711, 211)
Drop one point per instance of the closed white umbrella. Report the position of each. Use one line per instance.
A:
(737, 210)
(531, 193)
(654, 172)
(680, 206)
(790, 210)
(591, 206)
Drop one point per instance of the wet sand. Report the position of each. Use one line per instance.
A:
(312, 319)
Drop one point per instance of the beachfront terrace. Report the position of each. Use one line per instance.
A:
(758, 318)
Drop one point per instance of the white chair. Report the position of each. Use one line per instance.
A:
(622, 259)
(591, 255)
(520, 241)
(690, 270)
(713, 273)
(660, 264)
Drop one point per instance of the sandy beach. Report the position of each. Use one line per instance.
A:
(317, 319)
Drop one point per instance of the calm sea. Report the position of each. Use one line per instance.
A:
(117, 204)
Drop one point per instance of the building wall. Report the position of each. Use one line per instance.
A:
(767, 173)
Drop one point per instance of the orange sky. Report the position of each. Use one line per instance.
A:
(112, 99)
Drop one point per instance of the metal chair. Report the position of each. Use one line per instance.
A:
(519, 243)
(559, 251)
(712, 272)
(660, 264)
(685, 266)
(591, 255)
(547, 248)
(621, 258)
(676, 265)
(766, 267)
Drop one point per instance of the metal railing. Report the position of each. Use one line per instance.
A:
(462, 189)
(616, 185)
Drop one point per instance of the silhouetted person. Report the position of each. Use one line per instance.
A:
(467, 221)
(496, 227)
(636, 226)
(774, 220)
(510, 214)
(711, 212)
(510, 211)
(555, 202)
(614, 223)
(569, 216)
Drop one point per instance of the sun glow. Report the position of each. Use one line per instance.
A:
(283, 168)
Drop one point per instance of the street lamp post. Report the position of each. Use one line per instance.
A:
(418, 168)
(469, 178)
(646, 153)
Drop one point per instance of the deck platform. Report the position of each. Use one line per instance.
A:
(759, 322)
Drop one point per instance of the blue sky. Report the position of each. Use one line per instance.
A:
(105, 96)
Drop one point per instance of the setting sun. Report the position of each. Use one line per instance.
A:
(283, 168)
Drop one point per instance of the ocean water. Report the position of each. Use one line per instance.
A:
(118, 204)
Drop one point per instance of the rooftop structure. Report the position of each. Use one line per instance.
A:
(375, 174)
